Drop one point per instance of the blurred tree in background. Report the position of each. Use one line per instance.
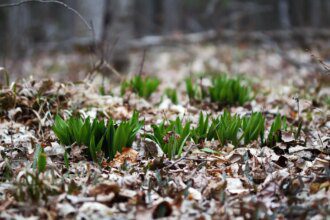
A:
(37, 26)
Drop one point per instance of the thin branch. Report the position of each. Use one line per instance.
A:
(49, 1)
(325, 66)
(200, 159)
(142, 62)
(181, 158)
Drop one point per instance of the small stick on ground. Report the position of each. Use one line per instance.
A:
(181, 158)
(142, 62)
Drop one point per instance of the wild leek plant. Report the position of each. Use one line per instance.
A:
(202, 130)
(172, 137)
(172, 95)
(39, 159)
(195, 92)
(143, 86)
(274, 134)
(253, 127)
(32, 186)
(97, 136)
(192, 90)
(228, 91)
(121, 135)
(229, 128)
(82, 132)
(224, 91)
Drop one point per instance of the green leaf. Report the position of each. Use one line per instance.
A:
(192, 90)
(172, 95)
(143, 86)
(275, 130)
(36, 155)
(42, 162)
(209, 150)
(66, 159)
(182, 143)
(171, 138)
(62, 131)
(92, 149)
(39, 159)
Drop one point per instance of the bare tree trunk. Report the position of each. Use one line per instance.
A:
(17, 36)
(144, 14)
(171, 16)
(315, 13)
(284, 19)
(299, 9)
(92, 11)
(119, 31)
(326, 9)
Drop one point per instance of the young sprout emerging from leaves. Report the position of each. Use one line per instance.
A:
(274, 135)
(234, 129)
(172, 95)
(31, 186)
(224, 91)
(253, 127)
(143, 86)
(192, 90)
(39, 159)
(228, 91)
(97, 136)
(201, 132)
(224, 128)
(227, 128)
(172, 137)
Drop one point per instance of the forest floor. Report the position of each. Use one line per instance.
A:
(290, 180)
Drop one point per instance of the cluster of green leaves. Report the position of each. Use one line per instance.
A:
(253, 127)
(228, 91)
(172, 95)
(195, 91)
(227, 128)
(224, 128)
(31, 185)
(143, 86)
(192, 89)
(274, 134)
(202, 131)
(171, 137)
(39, 159)
(224, 90)
(234, 129)
(109, 138)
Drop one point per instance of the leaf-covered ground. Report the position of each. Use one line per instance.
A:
(288, 181)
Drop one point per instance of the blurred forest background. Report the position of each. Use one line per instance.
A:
(119, 26)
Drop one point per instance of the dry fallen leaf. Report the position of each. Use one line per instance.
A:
(105, 188)
(287, 137)
(235, 186)
(194, 194)
(128, 155)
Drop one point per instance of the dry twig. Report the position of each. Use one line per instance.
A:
(50, 1)
(181, 158)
